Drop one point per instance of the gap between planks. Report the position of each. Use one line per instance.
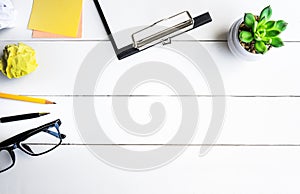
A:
(188, 145)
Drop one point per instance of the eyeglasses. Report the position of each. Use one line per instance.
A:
(34, 142)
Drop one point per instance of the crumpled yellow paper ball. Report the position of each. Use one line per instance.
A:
(18, 60)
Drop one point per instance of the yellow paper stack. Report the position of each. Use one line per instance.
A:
(56, 18)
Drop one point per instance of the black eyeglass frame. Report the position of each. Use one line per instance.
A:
(14, 142)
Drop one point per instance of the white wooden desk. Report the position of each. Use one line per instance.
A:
(257, 151)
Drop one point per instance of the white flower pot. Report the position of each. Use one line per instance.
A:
(235, 46)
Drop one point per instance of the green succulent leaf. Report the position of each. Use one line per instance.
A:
(255, 26)
(249, 20)
(281, 25)
(260, 47)
(277, 42)
(270, 24)
(246, 36)
(262, 22)
(266, 13)
(267, 40)
(272, 33)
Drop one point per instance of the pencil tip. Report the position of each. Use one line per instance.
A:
(44, 113)
(49, 102)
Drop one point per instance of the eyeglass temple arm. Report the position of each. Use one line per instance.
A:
(56, 134)
(22, 136)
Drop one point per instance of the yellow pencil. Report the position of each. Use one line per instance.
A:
(25, 98)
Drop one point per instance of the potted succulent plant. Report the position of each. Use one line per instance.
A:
(252, 36)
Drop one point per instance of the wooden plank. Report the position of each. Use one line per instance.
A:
(254, 121)
(60, 62)
(223, 14)
(223, 170)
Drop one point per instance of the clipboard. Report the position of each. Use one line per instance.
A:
(160, 32)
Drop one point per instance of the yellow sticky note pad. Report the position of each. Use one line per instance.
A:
(56, 16)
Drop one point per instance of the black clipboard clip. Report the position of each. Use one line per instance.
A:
(160, 32)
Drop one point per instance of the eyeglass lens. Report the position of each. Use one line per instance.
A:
(6, 160)
(42, 142)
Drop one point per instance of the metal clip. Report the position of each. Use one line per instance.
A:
(165, 34)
